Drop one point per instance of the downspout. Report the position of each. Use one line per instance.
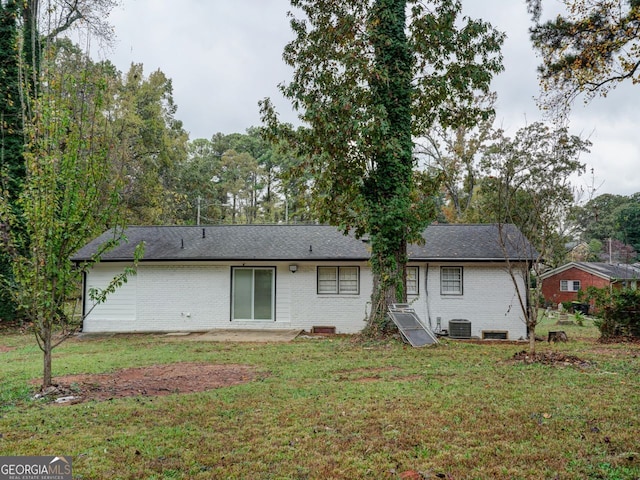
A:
(528, 296)
(84, 297)
(426, 294)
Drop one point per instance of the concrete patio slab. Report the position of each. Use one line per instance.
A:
(224, 335)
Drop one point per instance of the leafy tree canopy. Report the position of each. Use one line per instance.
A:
(27, 28)
(368, 76)
(153, 143)
(528, 184)
(69, 195)
(590, 49)
(608, 217)
(240, 178)
(454, 155)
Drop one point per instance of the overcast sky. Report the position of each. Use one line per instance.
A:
(225, 56)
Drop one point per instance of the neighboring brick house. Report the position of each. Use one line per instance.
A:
(195, 278)
(562, 284)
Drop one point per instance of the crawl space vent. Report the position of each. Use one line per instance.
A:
(495, 335)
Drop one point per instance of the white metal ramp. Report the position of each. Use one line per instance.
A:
(411, 328)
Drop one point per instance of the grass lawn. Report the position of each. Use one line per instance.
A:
(332, 408)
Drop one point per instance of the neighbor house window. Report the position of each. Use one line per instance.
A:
(451, 280)
(339, 280)
(412, 280)
(253, 293)
(569, 285)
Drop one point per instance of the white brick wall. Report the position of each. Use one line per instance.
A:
(345, 312)
(182, 298)
(119, 312)
(488, 301)
(174, 297)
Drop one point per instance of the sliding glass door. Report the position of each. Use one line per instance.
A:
(253, 293)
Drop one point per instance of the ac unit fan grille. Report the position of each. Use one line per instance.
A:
(459, 328)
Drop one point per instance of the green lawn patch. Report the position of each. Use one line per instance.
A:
(333, 408)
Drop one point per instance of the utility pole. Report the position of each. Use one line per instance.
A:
(198, 215)
(610, 253)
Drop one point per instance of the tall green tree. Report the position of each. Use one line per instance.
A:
(267, 177)
(528, 184)
(262, 173)
(454, 154)
(608, 218)
(11, 129)
(628, 220)
(156, 143)
(21, 44)
(368, 75)
(294, 186)
(590, 49)
(213, 186)
(238, 177)
(596, 219)
(194, 182)
(68, 196)
(11, 132)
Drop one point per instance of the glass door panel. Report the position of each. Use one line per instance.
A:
(253, 293)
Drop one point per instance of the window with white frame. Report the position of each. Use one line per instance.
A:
(413, 280)
(339, 280)
(451, 280)
(569, 285)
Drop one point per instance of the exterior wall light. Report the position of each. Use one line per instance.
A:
(293, 268)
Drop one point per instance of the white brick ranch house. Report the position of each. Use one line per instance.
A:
(196, 278)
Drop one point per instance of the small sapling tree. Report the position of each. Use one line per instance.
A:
(69, 195)
(528, 184)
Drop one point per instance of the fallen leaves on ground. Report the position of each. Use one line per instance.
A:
(552, 358)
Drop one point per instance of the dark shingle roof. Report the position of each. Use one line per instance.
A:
(233, 242)
(613, 272)
(477, 242)
(301, 242)
(604, 270)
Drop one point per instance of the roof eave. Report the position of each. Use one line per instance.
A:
(463, 259)
(227, 259)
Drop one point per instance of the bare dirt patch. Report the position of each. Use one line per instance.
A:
(552, 358)
(5, 349)
(149, 381)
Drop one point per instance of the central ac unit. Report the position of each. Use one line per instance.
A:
(459, 328)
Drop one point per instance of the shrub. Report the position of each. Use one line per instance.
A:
(617, 311)
(567, 306)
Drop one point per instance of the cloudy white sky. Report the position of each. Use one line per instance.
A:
(225, 56)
